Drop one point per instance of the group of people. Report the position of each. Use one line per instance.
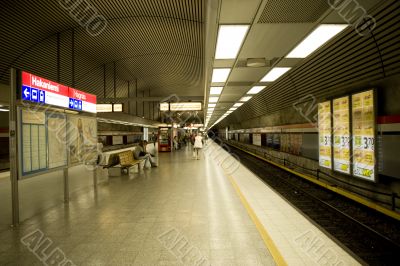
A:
(195, 139)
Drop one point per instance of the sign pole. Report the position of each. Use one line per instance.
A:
(13, 148)
(66, 185)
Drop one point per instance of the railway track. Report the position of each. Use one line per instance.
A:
(373, 237)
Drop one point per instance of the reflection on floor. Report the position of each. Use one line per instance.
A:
(183, 212)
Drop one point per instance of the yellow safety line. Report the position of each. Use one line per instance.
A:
(337, 190)
(276, 255)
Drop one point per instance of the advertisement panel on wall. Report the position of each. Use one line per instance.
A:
(341, 135)
(363, 123)
(257, 139)
(82, 139)
(57, 140)
(325, 134)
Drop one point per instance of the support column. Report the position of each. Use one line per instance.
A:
(14, 148)
(95, 177)
(66, 185)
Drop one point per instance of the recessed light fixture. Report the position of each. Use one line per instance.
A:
(274, 74)
(232, 108)
(230, 38)
(322, 34)
(213, 99)
(4, 110)
(216, 90)
(237, 104)
(245, 98)
(255, 89)
(220, 74)
(212, 105)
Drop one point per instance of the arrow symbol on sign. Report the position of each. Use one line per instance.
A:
(26, 92)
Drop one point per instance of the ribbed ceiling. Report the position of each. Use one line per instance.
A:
(350, 60)
(157, 44)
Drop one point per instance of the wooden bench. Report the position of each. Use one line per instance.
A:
(126, 162)
(113, 160)
(118, 162)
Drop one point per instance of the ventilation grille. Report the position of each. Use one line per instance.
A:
(347, 63)
(289, 11)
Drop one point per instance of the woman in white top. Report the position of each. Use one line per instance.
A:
(198, 144)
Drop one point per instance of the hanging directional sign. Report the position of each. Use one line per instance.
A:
(40, 90)
(43, 91)
(82, 101)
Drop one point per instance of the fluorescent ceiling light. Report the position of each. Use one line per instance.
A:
(255, 89)
(274, 74)
(245, 98)
(238, 104)
(216, 90)
(4, 110)
(213, 99)
(322, 34)
(212, 105)
(220, 74)
(230, 38)
(232, 108)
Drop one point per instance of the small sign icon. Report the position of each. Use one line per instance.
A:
(80, 105)
(75, 104)
(71, 103)
(34, 95)
(41, 96)
(26, 93)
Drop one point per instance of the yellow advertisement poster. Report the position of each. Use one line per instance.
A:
(325, 134)
(341, 135)
(363, 135)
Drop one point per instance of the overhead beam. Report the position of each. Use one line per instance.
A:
(150, 99)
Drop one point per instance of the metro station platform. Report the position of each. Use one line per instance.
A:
(184, 212)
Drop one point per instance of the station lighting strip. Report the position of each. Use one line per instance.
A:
(230, 39)
(317, 38)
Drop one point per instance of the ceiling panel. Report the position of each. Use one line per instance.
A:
(248, 74)
(223, 106)
(273, 40)
(220, 63)
(289, 11)
(229, 97)
(238, 11)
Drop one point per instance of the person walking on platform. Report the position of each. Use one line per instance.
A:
(176, 144)
(198, 145)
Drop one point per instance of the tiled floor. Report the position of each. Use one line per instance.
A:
(182, 213)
